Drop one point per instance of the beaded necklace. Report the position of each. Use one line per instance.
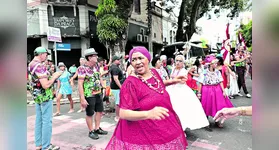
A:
(159, 87)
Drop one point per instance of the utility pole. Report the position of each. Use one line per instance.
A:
(149, 19)
(55, 53)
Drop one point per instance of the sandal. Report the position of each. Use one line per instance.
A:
(207, 128)
(53, 147)
(71, 111)
(81, 110)
(39, 148)
(57, 114)
(220, 125)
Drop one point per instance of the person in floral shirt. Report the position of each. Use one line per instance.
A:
(41, 90)
(90, 88)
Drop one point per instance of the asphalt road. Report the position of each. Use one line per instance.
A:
(70, 130)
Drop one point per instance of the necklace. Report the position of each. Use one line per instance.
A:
(156, 86)
(173, 76)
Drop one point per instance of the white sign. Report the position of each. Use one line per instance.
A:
(54, 34)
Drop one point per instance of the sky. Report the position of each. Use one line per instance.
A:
(214, 30)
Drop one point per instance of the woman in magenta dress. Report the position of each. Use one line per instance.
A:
(147, 119)
(212, 91)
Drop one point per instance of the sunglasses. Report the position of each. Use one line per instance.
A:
(178, 61)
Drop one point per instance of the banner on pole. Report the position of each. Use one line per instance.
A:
(54, 34)
(226, 47)
(241, 41)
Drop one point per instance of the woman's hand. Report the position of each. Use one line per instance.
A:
(72, 83)
(199, 95)
(180, 79)
(158, 113)
(228, 85)
(196, 75)
(224, 94)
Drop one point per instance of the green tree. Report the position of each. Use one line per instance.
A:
(246, 31)
(192, 10)
(113, 24)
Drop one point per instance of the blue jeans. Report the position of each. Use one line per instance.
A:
(43, 125)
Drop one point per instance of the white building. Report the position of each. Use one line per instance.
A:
(169, 22)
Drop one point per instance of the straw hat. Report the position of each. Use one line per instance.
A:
(61, 64)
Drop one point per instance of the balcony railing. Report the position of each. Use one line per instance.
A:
(69, 2)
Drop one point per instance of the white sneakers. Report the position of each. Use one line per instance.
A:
(248, 95)
(239, 94)
(81, 110)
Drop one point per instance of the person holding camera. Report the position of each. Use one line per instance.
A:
(42, 92)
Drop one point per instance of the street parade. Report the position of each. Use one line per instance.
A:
(99, 82)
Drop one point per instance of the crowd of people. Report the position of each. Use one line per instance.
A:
(156, 100)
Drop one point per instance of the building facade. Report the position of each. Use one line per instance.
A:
(137, 32)
(169, 22)
(77, 22)
(157, 29)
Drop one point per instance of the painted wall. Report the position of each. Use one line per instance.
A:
(33, 22)
(157, 31)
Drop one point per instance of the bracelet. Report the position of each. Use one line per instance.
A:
(242, 111)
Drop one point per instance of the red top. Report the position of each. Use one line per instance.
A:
(225, 80)
(106, 67)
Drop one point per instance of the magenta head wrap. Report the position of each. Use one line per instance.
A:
(142, 50)
(210, 59)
